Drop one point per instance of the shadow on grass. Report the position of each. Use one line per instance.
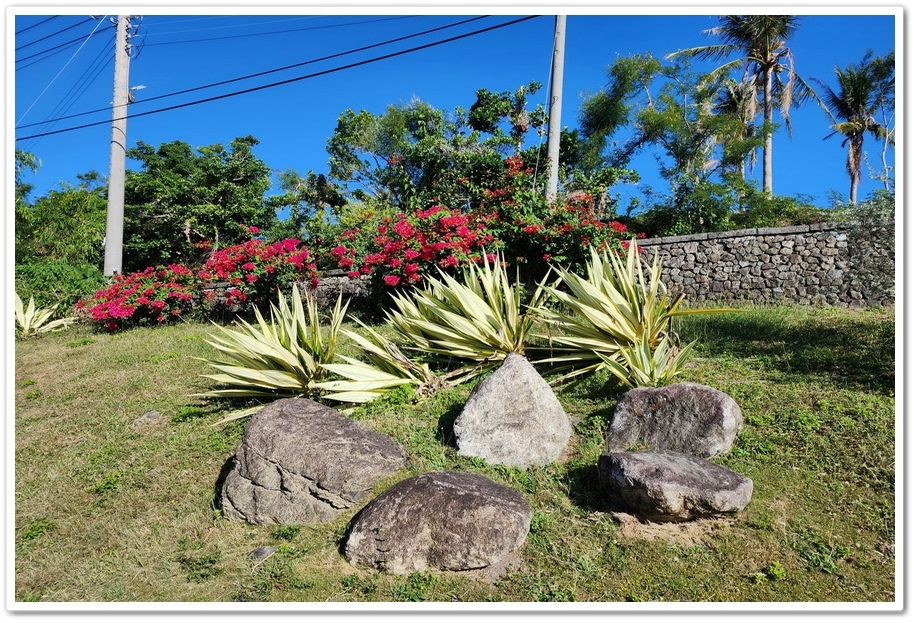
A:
(852, 348)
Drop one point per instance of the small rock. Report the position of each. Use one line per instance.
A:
(683, 417)
(443, 520)
(672, 486)
(513, 418)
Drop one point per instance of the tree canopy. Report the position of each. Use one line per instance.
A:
(184, 201)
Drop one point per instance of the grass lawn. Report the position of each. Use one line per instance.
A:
(107, 510)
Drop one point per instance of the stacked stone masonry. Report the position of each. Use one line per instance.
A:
(841, 265)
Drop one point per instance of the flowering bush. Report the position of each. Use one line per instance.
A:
(408, 246)
(534, 232)
(152, 296)
(232, 278)
(252, 272)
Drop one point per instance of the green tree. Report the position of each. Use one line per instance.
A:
(414, 155)
(25, 162)
(613, 108)
(490, 111)
(305, 202)
(768, 63)
(865, 90)
(65, 226)
(185, 202)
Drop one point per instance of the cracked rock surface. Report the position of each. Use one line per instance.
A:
(302, 462)
(441, 520)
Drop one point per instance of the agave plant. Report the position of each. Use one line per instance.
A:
(31, 320)
(618, 317)
(284, 357)
(386, 367)
(643, 366)
(476, 321)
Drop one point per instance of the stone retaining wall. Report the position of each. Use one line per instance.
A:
(843, 265)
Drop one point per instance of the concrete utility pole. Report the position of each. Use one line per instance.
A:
(556, 96)
(114, 228)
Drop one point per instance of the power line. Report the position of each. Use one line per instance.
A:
(277, 32)
(298, 79)
(60, 72)
(59, 48)
(53, 34)
(270, 71)
(36, 24)
(76, 91)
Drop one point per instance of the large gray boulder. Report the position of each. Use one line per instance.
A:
(672, 486)
(513, 418)
(684, 417)
(302, 462)
(448, 521)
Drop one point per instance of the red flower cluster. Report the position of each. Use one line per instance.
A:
(155, 295)
(254, 270)
(407, 246)
(231, 278)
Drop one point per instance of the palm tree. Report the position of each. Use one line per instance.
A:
(866, 88)
(761, 42)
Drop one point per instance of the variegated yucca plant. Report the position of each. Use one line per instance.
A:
(463, 327)
(473, 322)
(618, 317)
(383, 367)
(283, 357)
(32, 320)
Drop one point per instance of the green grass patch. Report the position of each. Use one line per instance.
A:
(110, 511)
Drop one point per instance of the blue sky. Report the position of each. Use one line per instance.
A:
(178, 51)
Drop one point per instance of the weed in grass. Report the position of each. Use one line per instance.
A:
(286, 533)
(274, 574)
(30, 597)
(188, 413)
(820, 553)
(415, 587)
(198, 561)
(85, 341)
(775, 571)
(33, 394)
(115, 593)
(358, 586)
(108, 482)
(27, 383)
(36, 529)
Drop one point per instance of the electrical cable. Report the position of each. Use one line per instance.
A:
(21, 47)
(60, 72)
(292, 80)
(36, 24)
(270, 71)
(95, 68)
(52, 51)
(276, 32)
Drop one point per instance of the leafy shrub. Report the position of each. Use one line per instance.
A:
(57, 284)
(532, 231)
(280, 358)
(31, 320)
(763, 210)
(618, 318)
(383, 370)
(410, 245)
(254, 271)
(476, 321)
(150, 297)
